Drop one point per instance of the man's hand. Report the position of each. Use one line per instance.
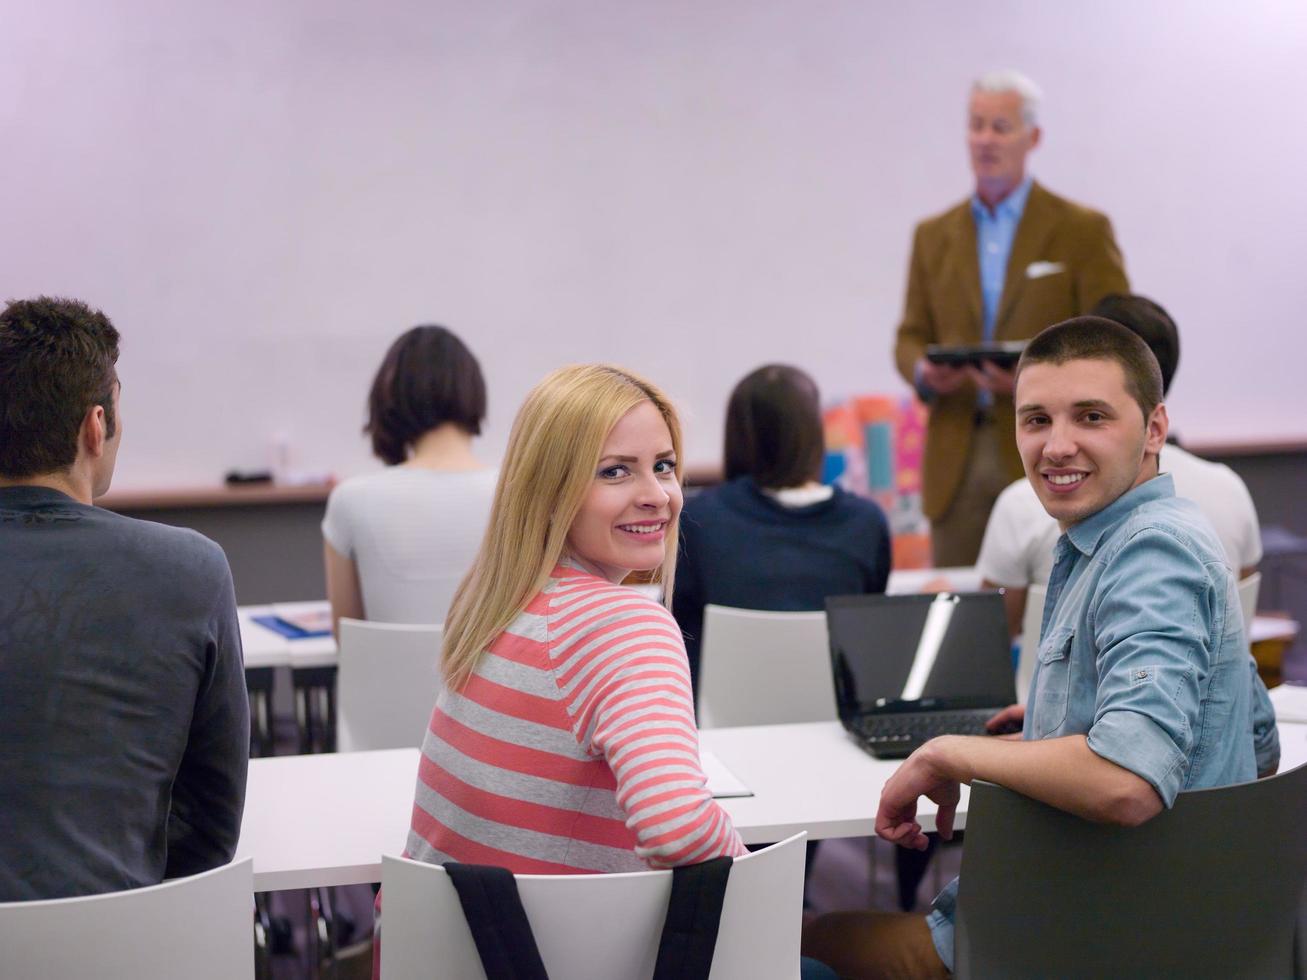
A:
(1009, 721)
(992, 378)
(942, 379)
(922, 774)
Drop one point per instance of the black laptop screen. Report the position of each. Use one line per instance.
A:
(949, 650)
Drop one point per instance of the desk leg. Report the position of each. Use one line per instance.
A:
(262, 937)
(258, 683)
(315, 708)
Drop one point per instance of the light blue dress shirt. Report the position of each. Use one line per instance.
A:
(995, 232)
(1142, 649)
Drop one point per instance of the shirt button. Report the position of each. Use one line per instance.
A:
(1141, 675)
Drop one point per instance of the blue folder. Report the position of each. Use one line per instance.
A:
(288, 630)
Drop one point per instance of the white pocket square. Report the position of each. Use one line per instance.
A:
(1038, 270)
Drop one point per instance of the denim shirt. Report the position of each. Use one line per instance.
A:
(1142, 650)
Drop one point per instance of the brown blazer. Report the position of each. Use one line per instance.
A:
(1077, 264)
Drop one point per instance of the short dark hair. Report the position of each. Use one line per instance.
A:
(57, 359)
(773, 428)
(1152, 323)
(1095, 338)
(428, 378)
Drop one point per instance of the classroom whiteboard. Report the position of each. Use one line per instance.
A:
(262, 195)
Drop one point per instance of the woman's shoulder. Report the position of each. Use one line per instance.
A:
(579, 603)
(857, 507)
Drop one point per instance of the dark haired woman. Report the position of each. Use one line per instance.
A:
(398, 542)
(772, 536)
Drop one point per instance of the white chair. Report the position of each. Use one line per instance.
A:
(764, 668)
(199, 927)
(386, 684)
(1249, 588)
(597, 927)
(1031, 621)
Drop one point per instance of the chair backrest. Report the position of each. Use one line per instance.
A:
(200, 927)
(1031, 621)
(764, 668)
(1248, 590)
(386, 684)
(1210, 888)
(596, 927)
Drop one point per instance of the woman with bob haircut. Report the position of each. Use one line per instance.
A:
(563, 736)
(397, 542)
(772, 536)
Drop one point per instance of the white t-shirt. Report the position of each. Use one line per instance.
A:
(1018, 547)
(413, 533)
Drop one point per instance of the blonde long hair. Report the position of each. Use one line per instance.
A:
(549, 465)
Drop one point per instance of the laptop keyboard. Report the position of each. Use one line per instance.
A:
(897, 735)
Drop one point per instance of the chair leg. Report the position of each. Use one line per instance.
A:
(262, 937)
(321, 933)
(315, 708)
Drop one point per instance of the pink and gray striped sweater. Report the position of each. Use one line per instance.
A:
(573, 747)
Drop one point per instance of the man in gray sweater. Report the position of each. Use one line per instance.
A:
(124, 720)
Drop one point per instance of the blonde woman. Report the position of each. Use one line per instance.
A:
(563, 738)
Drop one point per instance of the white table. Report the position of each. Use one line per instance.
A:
(809, 777)
(354, 806)
(268, 648)
(909, 580)
(312, 661)
(320, 820)
(317, 820)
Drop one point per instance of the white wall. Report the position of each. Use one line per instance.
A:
(263, 194)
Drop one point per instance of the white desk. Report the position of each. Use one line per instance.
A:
(267, 648)
(1290, 703)
(315, 820)
(806, 777)
(319, 820)
(960, 579)
(326, 819)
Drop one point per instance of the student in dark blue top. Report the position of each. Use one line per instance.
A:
(772, 536)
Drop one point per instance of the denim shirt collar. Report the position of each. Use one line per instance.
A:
(1012, 206)
(1086, 535)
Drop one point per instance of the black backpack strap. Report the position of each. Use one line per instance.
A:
(494, 913)
(693, 915)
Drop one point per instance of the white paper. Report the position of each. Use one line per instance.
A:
(722, 783)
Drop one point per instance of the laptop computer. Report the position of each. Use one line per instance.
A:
(910, 667)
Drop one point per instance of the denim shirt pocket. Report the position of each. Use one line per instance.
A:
(1049, 704)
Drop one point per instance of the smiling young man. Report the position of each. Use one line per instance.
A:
(1144, 685)
(1001, 265)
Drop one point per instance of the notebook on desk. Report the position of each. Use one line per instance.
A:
(910, 667)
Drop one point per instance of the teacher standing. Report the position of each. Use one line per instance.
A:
(1002, 265)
